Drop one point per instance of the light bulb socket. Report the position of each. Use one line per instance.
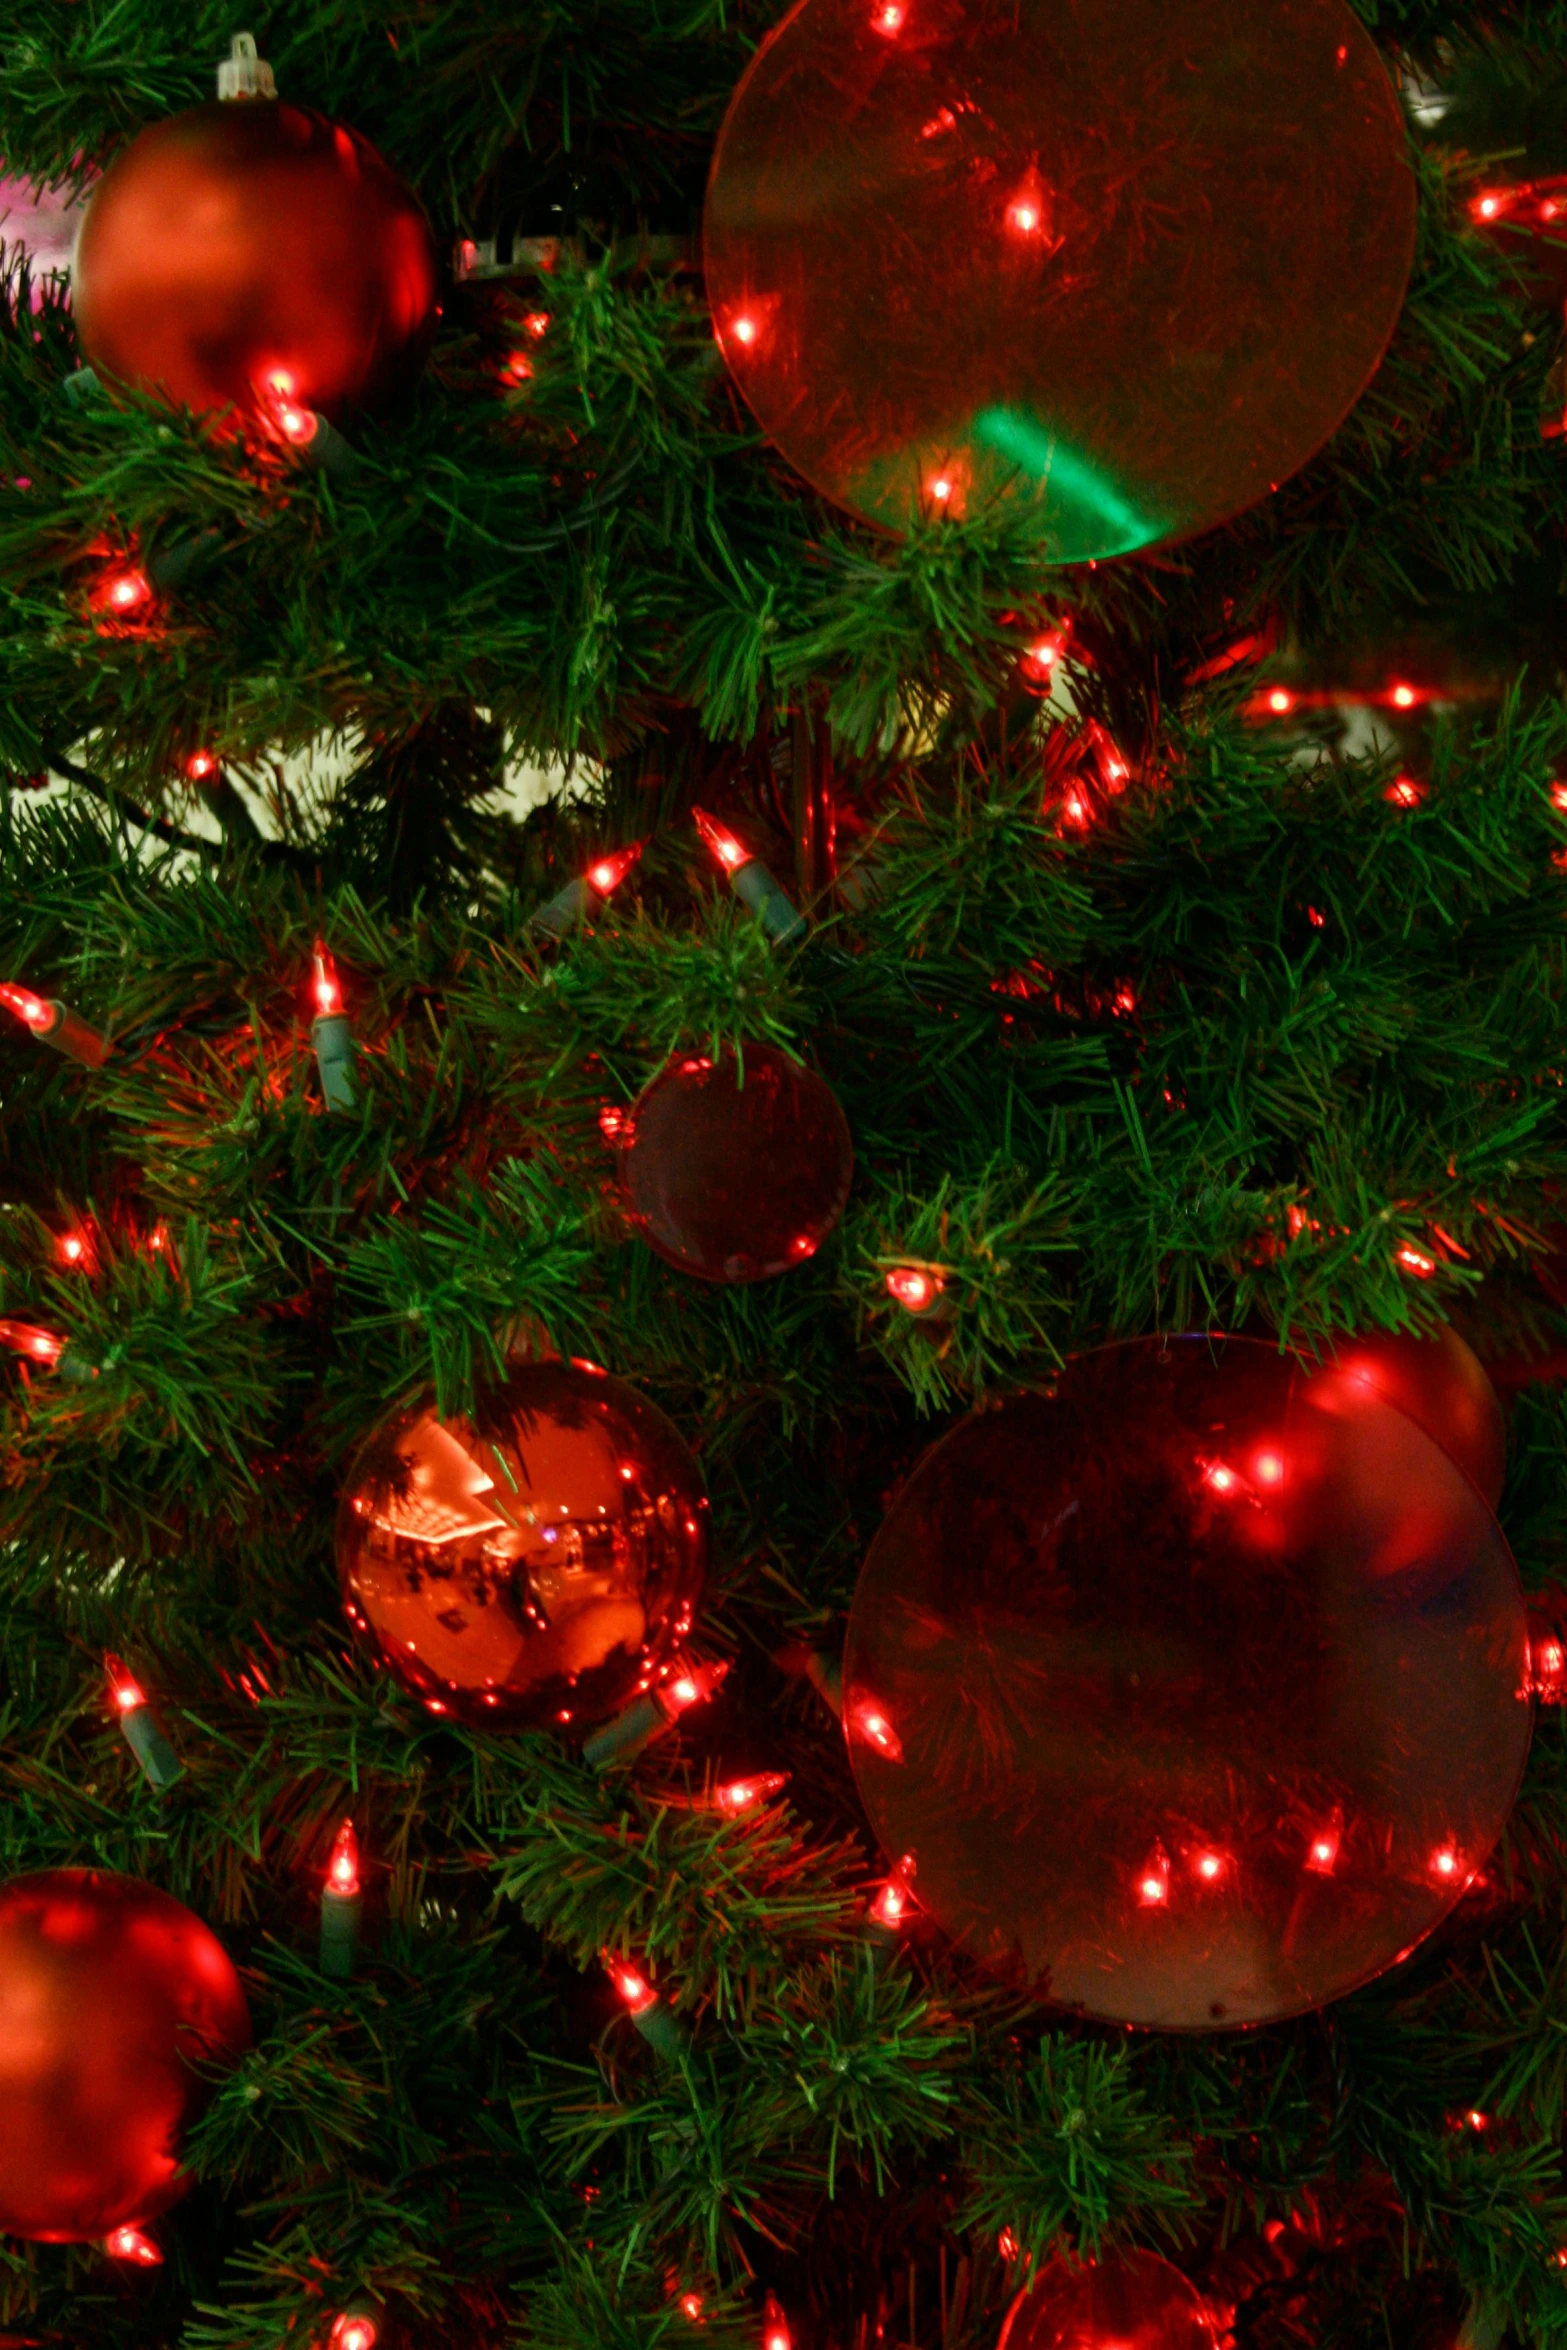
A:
(625, 1737)
(768, 900)
(339, 1933)
(560, 914)
(69, 1033)
(662, 2030)
(149, 1742)
(332, 1041)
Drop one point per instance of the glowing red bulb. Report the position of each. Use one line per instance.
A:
(867, 1721)
(1006, 2244)
(130, 2244)
(744, 330)
(612, 1118)
(691, 1685)
(25, 1338)
(941, 489)
(517, 368)
(329, 996)
(739, 1795)
(1023, 217)
(342, 1870)
(30, 1009)
(1221, 1478)
(1559, 796)
(1404, 792)
(73, 1248)
(891, 1905)
(537, 324)
(1153, 1891)
(124, 1687)
(298, 426)
(888, 19)
(1268, 1469)
(1444, 1864)
(1209, 1866)
(720, 842)
(1280, 701)
(1549, 1660)
(1476, 2119)
(1403, 697)
(775, 2332)
(611, 871)
(636, 1993)
(1487, 207)
(200, 765)
(684, 1691)
(1415, 1261)
(1322, 1852)
(125, 591)
(915, 1287)
(354, 2331)
(1075, 811)
(691, 2307)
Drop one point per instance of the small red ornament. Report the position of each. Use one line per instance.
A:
(1059, 258)
(1134, 2302)
(538, 1563)
(736, 1169)
(1198, 1690)
(110, 1992)
(1443, 1387)
(250, 254)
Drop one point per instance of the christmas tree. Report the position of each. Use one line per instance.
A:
(1173, 926)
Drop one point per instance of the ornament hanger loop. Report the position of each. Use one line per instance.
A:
(242, 73)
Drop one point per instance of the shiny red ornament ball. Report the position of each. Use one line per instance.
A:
(736, 1169)
(1120, 270)
(1194, 1694)
(110, 1993)
(538, 1563)
(251, 254)
(1134, 2302)
(1442, 1385)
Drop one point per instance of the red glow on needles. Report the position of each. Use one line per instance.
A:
(30, 1009)
(720, 842)
(342, 1870)
(611, 871)
(124, 1687)
(329, 996)
(130, 2244)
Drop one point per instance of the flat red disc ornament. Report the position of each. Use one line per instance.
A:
(1194, 1695)
(1134, 2301)
(1123, 268)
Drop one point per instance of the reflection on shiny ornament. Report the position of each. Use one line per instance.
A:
(541, 1562)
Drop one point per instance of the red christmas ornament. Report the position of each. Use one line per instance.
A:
(1442, 1386)
(1070, 259)
(736, 1169)
(1197, 1691)
(1136, 2302)
(251, 254)
(540, 1562)
(110, 1992)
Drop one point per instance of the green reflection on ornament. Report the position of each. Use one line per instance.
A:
(1077, 488)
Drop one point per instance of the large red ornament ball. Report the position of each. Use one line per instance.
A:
(736, 1169)
(1134, 2302)
(250, 252)
(1196, 1693)
(1441, 1383)
(110, 1993)
(538, 1563)
(1121, 268)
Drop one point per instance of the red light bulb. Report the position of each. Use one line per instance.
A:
(354, 2331)
(30, 1009)
(1444, 1864)
(342, 1870)
(915, 1287)
(130, 2244)
(891, 1905)
(1415, 1261)
(1280, 701)
(941, 489)
(1006, 2244)
(1153, 1886)
(691, 2307)
(744, 329)
(611, 871)
(1221, 1478)
(1209, 1866)
(124, 1687)
(720, 842)
(888, 19)
(72, 1248)
(740, 1795)
(1322, 1851)
(775, 2333)
(25, 1338)
(1404, 792)
(123, 591)
(329, 996)
(1559, 796)
(867, 1721)
(1488, 206)
(200, 765)
(635, 1991)
(1403, 697)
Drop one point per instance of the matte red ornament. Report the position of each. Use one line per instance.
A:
(538, 1563)
(1120, 268)
(736, 1169)
(251, 254)
(110, 1992)
(1441, 1384)
(1198, 1691)
(1135, 2302)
